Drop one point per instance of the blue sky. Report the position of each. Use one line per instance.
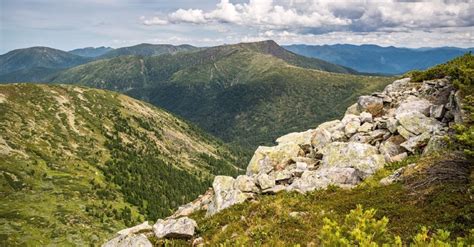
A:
(69, 24)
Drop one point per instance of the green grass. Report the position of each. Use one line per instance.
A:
(267, 221)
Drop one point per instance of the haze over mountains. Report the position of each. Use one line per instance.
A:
(377, 59)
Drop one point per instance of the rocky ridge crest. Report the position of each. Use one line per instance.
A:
(405, 118)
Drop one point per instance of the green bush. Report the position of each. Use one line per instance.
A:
(360, 228)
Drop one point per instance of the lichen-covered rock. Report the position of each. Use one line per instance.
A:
(363, 157)
(404, 132)
(265, 159)
(417, 123)
(371, 104)
(129, 237)
(300, 138)
(320, 138)
(366, 127)
(397, 85)
(392, 124)
(341, 176)
(282, 175)
(182, 228)
(275, 189)
(353, 109)
(201, 203)
(309, 181)
(351, 127)
(416, 142)
(365, 117)
(414, 104)
(139, 240)
(391, 148)
(225, 194)
(265, 181)
(437, 111)
(436, 144)
(245, 183)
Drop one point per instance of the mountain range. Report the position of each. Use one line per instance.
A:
(377, 59)
(246, 94)
(91, 51)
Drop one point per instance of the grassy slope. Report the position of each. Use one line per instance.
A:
(448, 205)
(246, 94)
(78, 164)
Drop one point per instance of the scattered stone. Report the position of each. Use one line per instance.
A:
(283, 175)
(391, 148)
(396, 176)
(201, 203)
(182, 228)
(404, 132)
(361, 137)
(300, 138)
(392, 124)
(198, 242)
(265, 181)
(320, 138)
(371, 104)
(138, 228)
(351, 128)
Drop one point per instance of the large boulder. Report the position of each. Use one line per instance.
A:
(371, 104)
(363, 157)
(265, 181)
(417, 123)
(129, 237)
(353, 109)
(225, 194)
(309, 181)
(201, 203)
(391, 148)
(265, 159)
(182, 228)
(414, 104)
(320, 138)
(300, 138)
(397, 85)
(139, 240)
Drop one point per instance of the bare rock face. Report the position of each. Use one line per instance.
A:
(371, 104)
(182, 228)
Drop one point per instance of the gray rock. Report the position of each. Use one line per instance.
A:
(397, 85)
(265, 181)
(392, 124)
(404, 132)
(245, 183)
(414, 104)
(309, 181)
(225, 195)
(371, 104)
(201, 203)
(182, 228)
(366, 117)
(415, 143)
(275, 189)
(265, 159)
(353, 109)
(437, 111)
(351, 128)
(391, 148)
(139, 240)
(338, 136)
(135, 229)
(320, 138)
(282, 175)
(300, 138)
(360, 137)
(396, 176)
(363, 157)
(341, 176)
(417, 123)
(436, 144)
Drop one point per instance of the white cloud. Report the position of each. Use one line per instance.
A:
(154, 21)
(321, 16)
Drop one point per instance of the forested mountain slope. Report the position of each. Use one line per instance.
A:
(246, 94)
(79, 163)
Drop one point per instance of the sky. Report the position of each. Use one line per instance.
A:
(70, 24)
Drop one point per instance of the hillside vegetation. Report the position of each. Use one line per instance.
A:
(78, 164)
(246, 94)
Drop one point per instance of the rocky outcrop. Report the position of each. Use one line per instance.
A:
(384, 127)
(182, 228)
(131, 237)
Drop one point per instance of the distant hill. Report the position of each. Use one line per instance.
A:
(78, 164)
(147, 50)
(247, 94)
(91, 51)
(377, 59)
(38, 57)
